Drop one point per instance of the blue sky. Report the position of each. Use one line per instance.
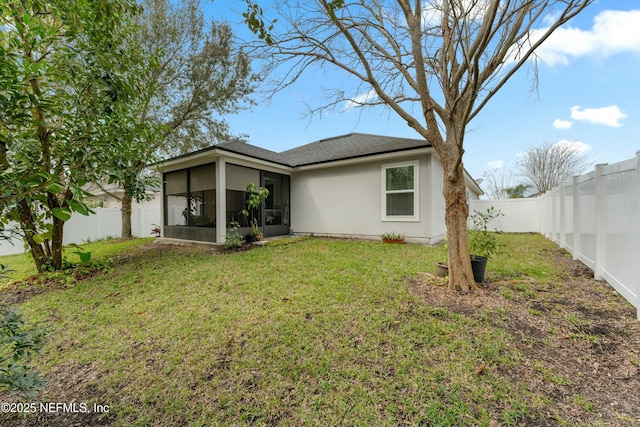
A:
(588, 93)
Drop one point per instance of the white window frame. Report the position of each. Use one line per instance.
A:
(416, 192)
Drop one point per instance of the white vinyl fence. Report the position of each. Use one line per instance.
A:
(106, 222)
(518, 215)
(596, 217)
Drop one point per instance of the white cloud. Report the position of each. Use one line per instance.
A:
(562, 124)
(613, 32)
(578, 147)
(359, 100)
(495, 164)
(608, 116)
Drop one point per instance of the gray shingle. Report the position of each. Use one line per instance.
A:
(349, 146)
(343, 147)
(239, 147)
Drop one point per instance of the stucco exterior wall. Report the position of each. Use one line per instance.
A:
(347, 201)
(438, 227)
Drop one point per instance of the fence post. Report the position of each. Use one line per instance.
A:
(601, 222)
(561, 222)
(545, 215)
(555, 225)
(99, 220)
(636, 236)
(576, 217)
(552, 223)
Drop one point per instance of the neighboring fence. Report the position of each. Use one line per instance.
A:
(106, 222)
(518, 215)
(596, 217)
(10, 247)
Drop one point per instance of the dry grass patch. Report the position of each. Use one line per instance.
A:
(578, 341)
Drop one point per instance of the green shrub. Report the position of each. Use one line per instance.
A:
(233, 239)
(482, 242)
(4, 269)
(18, 345)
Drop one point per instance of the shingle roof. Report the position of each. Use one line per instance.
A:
(240, 147)
(343, 147)
(349, 146)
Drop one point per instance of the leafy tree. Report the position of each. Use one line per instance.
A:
(550, 165)
(64, 81)
(200, 76)
(517, 192)
(436, 64)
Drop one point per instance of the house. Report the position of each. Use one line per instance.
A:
(108, 196)
(355, 185)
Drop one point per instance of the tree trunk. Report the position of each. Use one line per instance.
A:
(47, 255)
(127, 201)
(455, 195)
(55, 261)
(29, 229)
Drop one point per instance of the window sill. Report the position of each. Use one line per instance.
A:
(400, 219)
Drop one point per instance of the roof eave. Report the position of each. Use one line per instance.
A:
(363, 158)
(472, 183)
(211, 154)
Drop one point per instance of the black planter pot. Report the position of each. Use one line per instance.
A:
(250, 238)
(478, 265)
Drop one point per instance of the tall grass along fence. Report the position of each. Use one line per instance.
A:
(106, 222)
(596, 217)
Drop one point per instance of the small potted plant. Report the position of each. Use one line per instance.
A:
(392, 238)
(483, 243)
(254, 201)
(255, 230)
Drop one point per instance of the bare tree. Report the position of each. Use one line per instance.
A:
(550, 165)
(498, 183)
(435, 63)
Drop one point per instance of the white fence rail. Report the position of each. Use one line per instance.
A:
(596, 217)
(106, 222)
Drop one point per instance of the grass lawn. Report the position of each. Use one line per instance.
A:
(331, 332)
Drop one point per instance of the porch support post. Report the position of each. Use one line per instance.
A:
(221, 200)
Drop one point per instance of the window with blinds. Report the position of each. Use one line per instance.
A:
(400, 192)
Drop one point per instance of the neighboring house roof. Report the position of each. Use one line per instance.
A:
(101, 189)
